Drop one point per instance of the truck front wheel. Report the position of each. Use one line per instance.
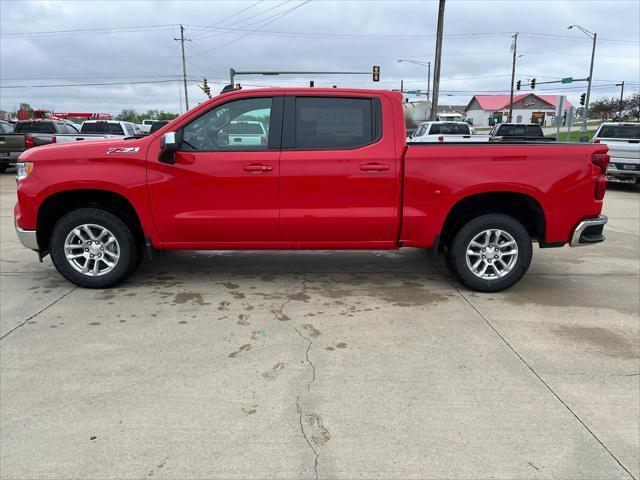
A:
(93, 248)
(490, 253)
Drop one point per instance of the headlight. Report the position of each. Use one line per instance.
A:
(23, 169)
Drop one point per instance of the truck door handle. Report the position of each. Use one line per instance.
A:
(257, 168)
(374, 167)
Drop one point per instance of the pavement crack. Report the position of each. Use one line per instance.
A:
(309, 342)
(38, 313)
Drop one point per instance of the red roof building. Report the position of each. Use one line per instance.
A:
(527, 108)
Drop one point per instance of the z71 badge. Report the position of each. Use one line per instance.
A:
(124, 150)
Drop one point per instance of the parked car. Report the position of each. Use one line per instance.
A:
(158, 125)
(101, 129)
(446, 132)
(623, 140)
(28, 134)
(146, 125)
(518, 132)
(335, 173)
(5, 127)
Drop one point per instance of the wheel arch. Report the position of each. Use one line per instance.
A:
(54, 206)
(525, 208)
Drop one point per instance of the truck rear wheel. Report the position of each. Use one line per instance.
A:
(93, 248)
(490, 253)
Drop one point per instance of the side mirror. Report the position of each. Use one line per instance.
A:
(168, 148)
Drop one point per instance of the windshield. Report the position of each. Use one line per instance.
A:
(243, 128)
(620, 131)
(34, 127)
(102, 127)
(449, 128)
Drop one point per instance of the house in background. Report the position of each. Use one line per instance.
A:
(527, 108)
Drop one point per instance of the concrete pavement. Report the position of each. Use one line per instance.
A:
(323, 365)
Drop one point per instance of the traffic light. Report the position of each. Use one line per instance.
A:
(533, 83)
(376, 73)
(582, 98)
(518, 85)
(206, 88)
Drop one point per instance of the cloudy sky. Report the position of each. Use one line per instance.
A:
(130, 47)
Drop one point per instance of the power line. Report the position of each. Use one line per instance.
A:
(177, 79)
(138, 28)
(197, 33)
(279, 16)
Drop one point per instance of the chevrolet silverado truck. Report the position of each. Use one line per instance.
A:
(29, 134)
(623, 140)
(335, 173)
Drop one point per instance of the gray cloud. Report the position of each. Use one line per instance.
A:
(319, 35)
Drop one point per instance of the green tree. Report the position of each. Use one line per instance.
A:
(128, 115)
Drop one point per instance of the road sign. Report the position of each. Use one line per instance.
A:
(567, 80)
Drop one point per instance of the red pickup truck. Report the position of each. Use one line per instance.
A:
(333, 172)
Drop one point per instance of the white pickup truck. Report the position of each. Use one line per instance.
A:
(101, 129)
(623, 140)
(445, 132)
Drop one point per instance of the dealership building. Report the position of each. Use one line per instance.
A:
(527, 108)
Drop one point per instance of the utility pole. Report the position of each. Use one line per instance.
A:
(621, 85)
(514, 47)
(184, 66)
(438, 61)
(428, 80)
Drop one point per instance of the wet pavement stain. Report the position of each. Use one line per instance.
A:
(313, 332)
(237, 295)
(300, 296)
(257, 334)
(341, 345)
(244, 348)
(184, 297)
(182, 322)
(242, 319)
(274, 371)
(605, 341)
(94, 323)
(224, 306)
(319, 433)
(230, 286)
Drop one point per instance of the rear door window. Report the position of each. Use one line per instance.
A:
(35, 127)
(449, 129)
(333, 123)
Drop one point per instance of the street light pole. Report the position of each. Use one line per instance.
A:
(425, 64)
(585, 115)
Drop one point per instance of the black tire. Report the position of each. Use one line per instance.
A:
(457, 252)
(3, 168)
(129, 250)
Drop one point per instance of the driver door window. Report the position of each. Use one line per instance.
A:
(240, 125)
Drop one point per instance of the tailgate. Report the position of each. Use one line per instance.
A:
(623, 149)
(11, 142)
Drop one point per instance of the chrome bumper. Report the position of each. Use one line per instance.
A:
(27, 238)
(589, 232)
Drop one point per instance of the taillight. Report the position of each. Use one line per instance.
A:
(597, 140)
(53, 139)
(28, 141)
(441, 138)
(601, 160)
(601, 187)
